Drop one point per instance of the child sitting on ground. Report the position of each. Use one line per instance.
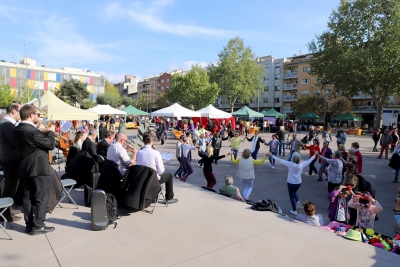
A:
(309, 215)
(338, 206)
(367, 208)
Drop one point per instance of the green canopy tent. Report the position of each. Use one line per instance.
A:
(131, 110)
(247, 112)
(273, 113)
(310, 116)
(347, 117)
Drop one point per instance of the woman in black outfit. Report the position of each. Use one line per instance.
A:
(208, 158)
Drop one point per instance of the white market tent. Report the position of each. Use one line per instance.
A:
(176, 110)
(59, 110)
(213, 113)
(106, 109)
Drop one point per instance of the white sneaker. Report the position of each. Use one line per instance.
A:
(298, 205)
(293, 212)
(272, 167)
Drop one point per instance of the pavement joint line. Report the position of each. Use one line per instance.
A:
(55, 255)
(228, 245)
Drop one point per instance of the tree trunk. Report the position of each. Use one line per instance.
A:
(232, 105)
(378, 122)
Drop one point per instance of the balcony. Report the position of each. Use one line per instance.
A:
(290, 75)
(289, 87)
(287, 110)
(361, 96)
(364, 109)
(289, 98)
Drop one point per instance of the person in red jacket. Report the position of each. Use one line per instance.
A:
(314, 147)
(356, 146)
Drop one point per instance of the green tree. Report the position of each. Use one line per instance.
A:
(74, 91)
(142, 102)
(360, 50)
(126, 101)
(87, 103)
(309, 103)
(236, 72)
(110, 89)
(108, 99)
(193, 88)
(340, 106)
(6, 95)
(162, 101)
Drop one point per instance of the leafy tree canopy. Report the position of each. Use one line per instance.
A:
(108, 99)
(162, 101)
(126, 101)
(193, 88)
(73, 91)
(236, 72)
(340, 106)
(360, 50)
(142, 102)
(6, 95)
(309, 103)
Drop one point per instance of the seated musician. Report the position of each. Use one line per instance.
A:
(105, 144)
(151, 158)
(118, 153)
(89, 144)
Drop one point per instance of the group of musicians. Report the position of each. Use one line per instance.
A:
(24, 148)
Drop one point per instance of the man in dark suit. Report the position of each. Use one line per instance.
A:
(34, 146)
(103, 146)
(102, 132)
(10, 157)
(89, 144)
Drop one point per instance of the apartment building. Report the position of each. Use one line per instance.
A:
(128, 87)
(149, 86)
(26, 74)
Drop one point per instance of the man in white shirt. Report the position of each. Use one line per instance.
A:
(118, 154)
(151, 158)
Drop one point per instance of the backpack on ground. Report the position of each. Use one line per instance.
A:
(267, 205)
(104, 210)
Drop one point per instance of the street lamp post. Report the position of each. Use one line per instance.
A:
(258, 99)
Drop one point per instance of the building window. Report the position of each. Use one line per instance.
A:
(167, 86)
(267, 67)
(168, 80)
(277, 88)
(277, 77)
(265, 100)
(277, 67)
(305, 81)
(276, 100)
(305, 92)
(162, 80)
(162, 87)
(318, 92)
(326, 92)
(265, 88)
(306, 69)
(266, 78)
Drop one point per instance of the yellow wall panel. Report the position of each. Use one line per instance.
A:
(92, 89)
(45, 76)
(13, 72)
(81, 79)
(58, 86)
(30, 84)
(13, 91)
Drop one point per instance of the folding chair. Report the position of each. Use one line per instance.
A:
(66, 183)
(5, 203)
(158, 198)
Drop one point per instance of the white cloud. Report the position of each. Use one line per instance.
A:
(60, 43)
(149, 16)
(187, 65)
(113, 77)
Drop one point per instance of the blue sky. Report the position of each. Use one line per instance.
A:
(148, 37)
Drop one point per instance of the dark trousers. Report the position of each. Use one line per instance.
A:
(254, 153)
(36, 197)
(216, 153)
(292, 189)
(375, 144)
(11, 171)
(179, 171)
(211, 181)
(332, 186)
(312, 167)
(187, 168)
(166, 178)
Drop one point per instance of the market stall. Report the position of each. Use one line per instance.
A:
(248, 112)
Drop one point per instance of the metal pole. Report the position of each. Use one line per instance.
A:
(258, 100)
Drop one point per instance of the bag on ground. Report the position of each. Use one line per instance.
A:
(267, 205)
(104, 210)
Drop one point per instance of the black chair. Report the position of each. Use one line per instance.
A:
(110, 179)
(141, 188)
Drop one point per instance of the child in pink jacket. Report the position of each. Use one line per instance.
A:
(367, 208)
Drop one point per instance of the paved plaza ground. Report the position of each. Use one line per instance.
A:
(206, 229)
